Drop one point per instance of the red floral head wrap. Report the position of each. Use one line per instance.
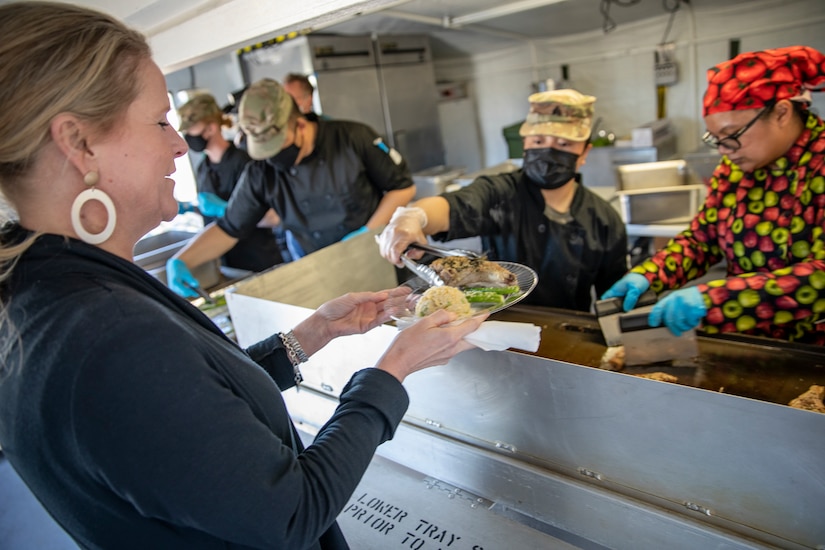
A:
(754, 79)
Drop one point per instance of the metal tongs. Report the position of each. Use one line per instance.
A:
(444, 252)
(426, 272)
(422, 270)
(200, 292)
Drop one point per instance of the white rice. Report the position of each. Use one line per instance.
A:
(443, 297)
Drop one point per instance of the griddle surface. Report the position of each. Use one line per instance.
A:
(757, 368)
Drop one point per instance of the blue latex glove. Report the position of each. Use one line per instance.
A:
(178, 276)
(681, 310)
(631, 286)
(184, 207)
(211, 205)
(355, 233)
(294, 247)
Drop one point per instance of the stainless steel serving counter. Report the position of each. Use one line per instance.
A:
(517, 450)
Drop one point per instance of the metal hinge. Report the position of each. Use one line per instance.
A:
(698, 508)
(590, 473)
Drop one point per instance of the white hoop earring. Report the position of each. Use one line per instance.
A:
(93, 194)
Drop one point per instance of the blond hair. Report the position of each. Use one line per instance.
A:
(57, 58)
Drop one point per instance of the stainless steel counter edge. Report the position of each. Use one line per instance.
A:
(573, 507)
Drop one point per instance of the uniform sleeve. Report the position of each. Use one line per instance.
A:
(477, 209)
(381, 167)
(166, 429)
(791, 294)
(248, 203)
(763, 300)
(767, 301)
(690, 254)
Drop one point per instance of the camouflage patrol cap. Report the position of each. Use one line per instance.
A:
(263, 115)
(201, 107)
(566, 114)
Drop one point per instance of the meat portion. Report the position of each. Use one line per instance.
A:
(811, 400)
(613, 359)
(660, 376)
(460, 271)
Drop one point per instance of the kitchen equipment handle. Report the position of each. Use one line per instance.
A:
(648, 298)
(632, 322)
(611, 306)
(201, 292)
(608, 306)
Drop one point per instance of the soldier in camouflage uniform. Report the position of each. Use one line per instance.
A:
(540, 216)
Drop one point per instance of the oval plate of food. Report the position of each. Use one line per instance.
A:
(488, 286)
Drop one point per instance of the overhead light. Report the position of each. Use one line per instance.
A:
(447, 23)
(416, 18)
(500, 11)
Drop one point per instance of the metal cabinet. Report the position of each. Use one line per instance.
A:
(386, 82)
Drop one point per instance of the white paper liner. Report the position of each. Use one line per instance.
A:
(501, 335)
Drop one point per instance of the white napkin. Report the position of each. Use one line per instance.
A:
(500, 335)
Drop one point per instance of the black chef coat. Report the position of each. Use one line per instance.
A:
(330, 193)
(507, 211)
(259, 249)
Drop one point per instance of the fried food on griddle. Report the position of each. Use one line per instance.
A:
(811, 400)
(660, 376)
(613, 359)
(462, 272)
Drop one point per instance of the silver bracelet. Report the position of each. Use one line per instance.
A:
(295, 353)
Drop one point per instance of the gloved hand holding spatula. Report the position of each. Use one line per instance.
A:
(680, 311)
(638, 331)
(631, 286)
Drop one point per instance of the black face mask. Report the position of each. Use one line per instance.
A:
(286, 157)
(195, 143)
(549, 168)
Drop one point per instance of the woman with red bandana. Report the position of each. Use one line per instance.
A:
(764, 212)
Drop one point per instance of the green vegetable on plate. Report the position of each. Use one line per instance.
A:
(483, 296)
(504, 290)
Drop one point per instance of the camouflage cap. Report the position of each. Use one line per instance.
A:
(263, 115)
(566, 114)
(201, 107)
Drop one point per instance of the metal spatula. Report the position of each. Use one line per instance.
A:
(608, 311)
(644, 344)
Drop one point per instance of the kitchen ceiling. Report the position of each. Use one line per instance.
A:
(463, 27)
(457, 27)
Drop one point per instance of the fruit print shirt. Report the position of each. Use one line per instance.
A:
(768, 224)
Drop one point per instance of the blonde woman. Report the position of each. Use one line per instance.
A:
(130, 416)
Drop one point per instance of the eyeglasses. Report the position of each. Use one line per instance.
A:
(731, 142)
